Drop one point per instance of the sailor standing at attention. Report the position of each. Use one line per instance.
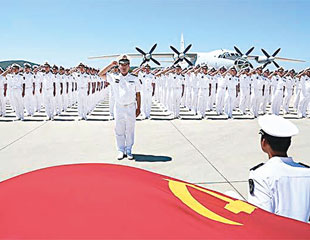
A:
(29, 82)
(280, 185)
(126, 88)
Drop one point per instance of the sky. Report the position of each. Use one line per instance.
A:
(68, 32)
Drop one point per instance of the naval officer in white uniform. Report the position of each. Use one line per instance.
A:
(126, 88)
(281, 185)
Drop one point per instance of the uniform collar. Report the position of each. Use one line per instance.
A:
(283, 159)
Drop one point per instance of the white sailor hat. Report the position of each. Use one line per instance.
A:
(277, 126)
(15, 65)
(27, 65)
(123, 59)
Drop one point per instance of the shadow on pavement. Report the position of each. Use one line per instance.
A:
(151, 158)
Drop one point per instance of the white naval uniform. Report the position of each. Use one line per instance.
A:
(58, 101)
(266, 94)
(110, 79)
(304, 96)
(48, 94)
(212, 98)
(194, 94)
(220, 95)
(245, 90)
(29, 96)
(231, 94)
(82, 83)
(3, 81)
(146, 93)
(37, 94)
(288, 93)
(281, 186)
(256, 93)
(297, 92)
(125, 89)
(203, 94)
(177, 86)
(188, 90)
(15, 85)
(277, 98)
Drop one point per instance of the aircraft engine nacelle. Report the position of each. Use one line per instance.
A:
(261, 59)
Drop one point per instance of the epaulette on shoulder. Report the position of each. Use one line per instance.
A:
(304, 165)
(133, 75)
(257, 166)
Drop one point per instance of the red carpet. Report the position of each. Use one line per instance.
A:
(112, 201)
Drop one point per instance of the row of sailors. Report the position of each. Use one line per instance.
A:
(223, 90)
(56, 89)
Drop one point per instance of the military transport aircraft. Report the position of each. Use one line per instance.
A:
(216, 58)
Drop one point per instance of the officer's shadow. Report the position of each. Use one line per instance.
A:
(151, 158)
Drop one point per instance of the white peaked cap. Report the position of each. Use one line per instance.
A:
(277, 126)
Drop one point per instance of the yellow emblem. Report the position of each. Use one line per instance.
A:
(179, 189)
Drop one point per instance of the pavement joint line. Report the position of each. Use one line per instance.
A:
(241, 181)
(11, 143)
(208, 161)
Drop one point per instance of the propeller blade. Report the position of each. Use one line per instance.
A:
(276, 52)
(173, 49)
(249, 51)
(238, 51)
(153, 48)
(155, 61)
(266, 54)
(187, 48)
(144, 61)
(140, 51)
(277, 65)
(188, 61)
(251, 65)
(176, 62)
(265, 65)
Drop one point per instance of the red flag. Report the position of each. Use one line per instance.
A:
(113, 201)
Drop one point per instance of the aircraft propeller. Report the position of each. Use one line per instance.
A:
(271, 59)
(148, 56)
(244, 55)
(182, 55)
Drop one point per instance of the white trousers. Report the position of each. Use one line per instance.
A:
(82, 103)
(17, 102)
(276, 102)
(287, 99)
(188, 95)
(125, 119)
(212, 98)
(111, 101)
(146, 99)
(230, 98)
(303, 105)
(49, 103)
(203, 100)
(37, 100)
(244, 99)
(256, 100)
(194, 103)
(2, 103)
(297, 98)
(176, 102)
(29, 101)
(220, 97)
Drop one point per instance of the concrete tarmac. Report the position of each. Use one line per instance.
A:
(216, 154)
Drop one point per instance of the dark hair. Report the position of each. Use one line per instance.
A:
(278, 144)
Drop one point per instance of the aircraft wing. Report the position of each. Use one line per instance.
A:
(138, 55)
(134, 55)
(289, 59)
(279, 58)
